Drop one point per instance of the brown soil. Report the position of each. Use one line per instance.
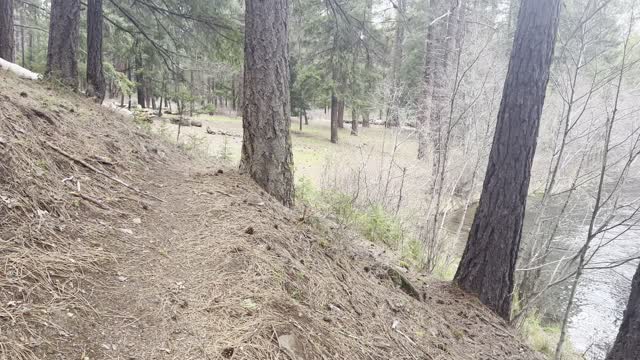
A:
(191, 263)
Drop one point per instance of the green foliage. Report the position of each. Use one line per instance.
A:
(380, 227)
(543, 338)
(120, 80)
(208, 110)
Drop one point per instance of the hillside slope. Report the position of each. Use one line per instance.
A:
(188, 261)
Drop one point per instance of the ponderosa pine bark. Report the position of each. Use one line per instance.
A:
(627, 344)
(488, 263)
(7, 40)
(95, 76)
(64, 36)
(266, 146)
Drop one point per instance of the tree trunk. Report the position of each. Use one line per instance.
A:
(368, 66)
(300, 118)
(354, 122)
(129, 78)
(488, 263)
(30, 56)
(191, 93)
(341, 114)
(424, 109)
(22, 42)
(7, 37)
(95, 74)
(266, 146)
(233, 93)
(334, 118)
(366, 119)
(140, 82)
(394, 103)
(627, 344)
(64, 35)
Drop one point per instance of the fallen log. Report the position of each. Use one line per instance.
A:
(220, 132)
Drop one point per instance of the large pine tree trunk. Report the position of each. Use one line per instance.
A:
(627, 344)
(95, 75)
(266, 147)
(64, 35)
(7, 41)
(488, 263)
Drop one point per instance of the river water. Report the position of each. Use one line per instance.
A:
(602, 294)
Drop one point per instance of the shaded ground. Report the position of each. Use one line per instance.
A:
(190, 262)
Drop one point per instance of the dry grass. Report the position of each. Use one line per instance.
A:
(50, 237)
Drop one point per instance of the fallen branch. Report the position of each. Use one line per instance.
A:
(92, 168)
(89, 199)
(404, 284)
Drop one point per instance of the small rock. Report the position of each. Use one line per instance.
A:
(24, 94)
(327, 319)
(289, 345)
(127, 231)
(136, 221)
(250, 230)
(227, 353)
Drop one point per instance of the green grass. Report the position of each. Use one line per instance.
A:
(544, 338)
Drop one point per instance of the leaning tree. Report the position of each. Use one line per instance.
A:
(266, 147)
(488, 263)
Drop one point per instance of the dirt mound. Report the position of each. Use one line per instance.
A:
(216, 269)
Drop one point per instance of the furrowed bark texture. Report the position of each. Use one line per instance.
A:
(627, 344)
(95, 75)
(488, 263)
(64, 35)
(266, 148)
(7, 41)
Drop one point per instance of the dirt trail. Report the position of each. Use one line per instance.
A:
(217, 270)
